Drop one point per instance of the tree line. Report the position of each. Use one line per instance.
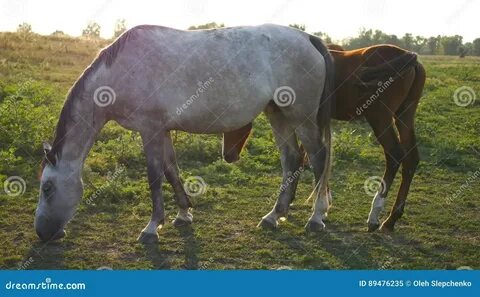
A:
(434, 45)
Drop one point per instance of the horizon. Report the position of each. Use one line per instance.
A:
(396, 18)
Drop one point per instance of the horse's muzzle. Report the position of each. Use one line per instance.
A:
(48, 230)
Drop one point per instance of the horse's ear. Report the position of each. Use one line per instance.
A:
(49, 155)
(46, 147)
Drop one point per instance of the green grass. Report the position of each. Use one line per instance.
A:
(35, 74)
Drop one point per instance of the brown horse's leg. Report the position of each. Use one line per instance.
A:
(290, 158)
(405, 126)
(184, 217)
(405, 122)
(154, 152)
(233, 143)
(385, 133)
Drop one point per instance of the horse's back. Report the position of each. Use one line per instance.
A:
(364, 72)
(243, 66)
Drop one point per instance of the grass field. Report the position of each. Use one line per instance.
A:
(439, 230)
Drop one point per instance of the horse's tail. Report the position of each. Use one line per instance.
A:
(415, 92)
(325, 108)
(371, 75)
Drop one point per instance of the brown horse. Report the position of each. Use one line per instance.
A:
(383, 84)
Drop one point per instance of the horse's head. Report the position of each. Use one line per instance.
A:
(60, 191)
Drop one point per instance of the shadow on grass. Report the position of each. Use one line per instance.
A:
(46, 255)
(190, 247)
(350, 249)
(161, 257)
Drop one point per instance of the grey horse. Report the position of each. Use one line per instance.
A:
(155, 79)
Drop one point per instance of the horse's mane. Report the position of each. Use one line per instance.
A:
(107, 57)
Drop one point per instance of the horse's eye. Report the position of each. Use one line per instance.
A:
(47, 188)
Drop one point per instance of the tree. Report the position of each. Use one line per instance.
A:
(212, 25)
(120, 27)
(92, 30)
(58, 33)
(419, 43)
(24, 29)
(451, 44)
(407, 41)
(391, 39)
(323, 36)
(462, 51)
(433, 44)
(364, 38)
(476, 47)
(468, 48)
(300, 27)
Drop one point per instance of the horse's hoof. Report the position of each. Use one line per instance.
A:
(178, 222)
(313, 226)
(372, 227)
(386, 227)
(147, 238)
(267, 224)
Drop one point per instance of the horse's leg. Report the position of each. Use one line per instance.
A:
(385, 133)
(406, 130)
(291, 166)
(154, 152)
(184, 217)
(316, 149)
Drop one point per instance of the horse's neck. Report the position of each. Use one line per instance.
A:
(82, 128)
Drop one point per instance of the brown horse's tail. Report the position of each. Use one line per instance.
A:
(372, 75)
(415, 92)
(325, 108)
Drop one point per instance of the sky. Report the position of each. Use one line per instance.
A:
(338, 18)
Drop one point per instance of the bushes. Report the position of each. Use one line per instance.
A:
(28, 113)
